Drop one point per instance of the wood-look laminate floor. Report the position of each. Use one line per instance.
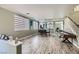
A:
(47, 45)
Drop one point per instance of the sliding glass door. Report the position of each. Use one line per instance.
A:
(51, 26)
(55, 24)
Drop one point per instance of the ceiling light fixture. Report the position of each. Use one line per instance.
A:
(27, 13)
(76, 8)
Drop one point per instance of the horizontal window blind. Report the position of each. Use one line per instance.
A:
(20, 23)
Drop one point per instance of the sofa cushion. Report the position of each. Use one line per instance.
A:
(4, 37)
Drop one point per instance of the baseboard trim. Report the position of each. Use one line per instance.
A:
(23, 38)
(75, 44)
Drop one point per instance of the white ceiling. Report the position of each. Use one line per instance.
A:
(41, 11)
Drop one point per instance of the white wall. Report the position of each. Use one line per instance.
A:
(7, 25)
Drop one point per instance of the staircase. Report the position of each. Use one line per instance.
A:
(74, 22)
(72, 27)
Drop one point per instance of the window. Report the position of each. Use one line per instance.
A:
(50, 25)
(31, 24)
(59, 25)
(35, 25)
(20, 23)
